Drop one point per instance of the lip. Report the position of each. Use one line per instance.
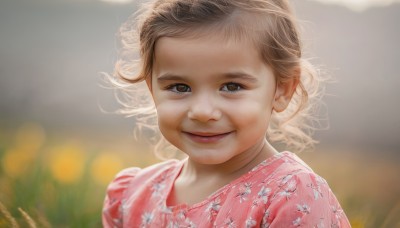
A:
(206, 137)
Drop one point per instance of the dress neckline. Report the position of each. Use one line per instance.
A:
(179, 166)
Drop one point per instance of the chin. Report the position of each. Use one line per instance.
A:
(209, 160)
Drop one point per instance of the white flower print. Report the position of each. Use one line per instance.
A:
(189, 224)
(157, 189)
(291, 186)
(181, 214)
(264, 193)
(213, 208)
(214, 205)
(147, 218)
(118, 222)
(316, 190)
(265, 225)
(335, 225)
(230, 223)
(166, 210)
(173, 225)
(321, 224)
(285, 194)
(124, 207)
(250, 222)
(303, 208)
(265, 218)
(338, 212)
(244, 190)
(297, 222)
(316, 194)
(286, 179)
(248, 187)
(255, 203)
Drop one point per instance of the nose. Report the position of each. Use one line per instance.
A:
(203, 108)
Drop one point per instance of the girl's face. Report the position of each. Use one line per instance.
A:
(213, 98)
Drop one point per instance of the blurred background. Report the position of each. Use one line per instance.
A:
(58, 150)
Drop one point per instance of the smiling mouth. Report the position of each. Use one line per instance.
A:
(201, 137)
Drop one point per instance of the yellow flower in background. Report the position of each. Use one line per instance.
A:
(28, 140)
(105, 166)
(15, 162)
(357, 223)
(67, 163)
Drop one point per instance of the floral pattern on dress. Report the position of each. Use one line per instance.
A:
(213, 208)
(244, 191)
(279, 192)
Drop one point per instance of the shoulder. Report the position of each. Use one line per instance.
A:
(111, 216)
(302, 197)
(122, 182)
(116, 188)
(125, 177)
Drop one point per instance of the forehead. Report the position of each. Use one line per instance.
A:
(205, 55)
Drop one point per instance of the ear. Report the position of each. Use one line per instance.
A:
(284, 92)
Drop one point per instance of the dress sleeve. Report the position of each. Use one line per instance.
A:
(304, 200)
(112, 211)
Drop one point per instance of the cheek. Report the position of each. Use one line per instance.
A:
(252, 113)
(169, 114)
(170, 118)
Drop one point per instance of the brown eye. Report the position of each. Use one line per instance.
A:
(231, 87)
(179, 88)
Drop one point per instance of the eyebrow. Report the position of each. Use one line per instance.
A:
(241, 75)
(169, 77)
(226, 76)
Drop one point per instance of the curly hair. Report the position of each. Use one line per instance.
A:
(269, 24)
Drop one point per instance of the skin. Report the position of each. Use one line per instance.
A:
(214, 100)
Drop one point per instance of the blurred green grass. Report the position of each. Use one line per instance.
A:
(61, 182)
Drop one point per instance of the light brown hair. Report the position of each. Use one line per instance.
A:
(269, 24)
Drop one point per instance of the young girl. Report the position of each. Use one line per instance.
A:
(226, 77)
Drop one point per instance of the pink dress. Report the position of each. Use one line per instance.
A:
(282, 191)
